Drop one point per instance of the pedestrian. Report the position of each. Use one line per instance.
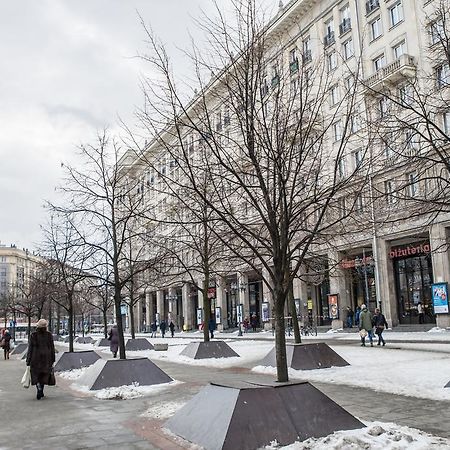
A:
(113, 337)
(246, 324)
(421, 312)
(162, 327)
(172, 328)
(254, 322)
(357, 314)
(350, 315)
(212, 326)
(6, 343)
(380, 324)
(365, 326)
(154, 329)
(40, 357)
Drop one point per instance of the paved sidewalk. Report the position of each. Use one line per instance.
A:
(67, 420)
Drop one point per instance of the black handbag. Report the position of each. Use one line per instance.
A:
(51, 378)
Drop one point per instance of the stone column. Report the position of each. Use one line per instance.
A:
(244, 294)
(338, 286)
(138, 315)
(172, 313)
(267, 297)
(188, 312)
(439, 241)
(149, 309)
(221, 301)
(160, 304)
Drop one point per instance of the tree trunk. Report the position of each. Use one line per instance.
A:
(29, 326)
(58, 319)
(117, 302)
(70, 325)
(105, 324)
(50, 316)
(280, 339)
(293, 311)
(206, 310)
(82, 324)
(132, 329)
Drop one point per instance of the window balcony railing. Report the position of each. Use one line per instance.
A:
(329, 39)
(344, 26)
(372, 5)
(401, 68)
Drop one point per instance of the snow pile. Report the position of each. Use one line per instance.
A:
(336, 330)
(401, 372)
(376, 436)
(126, 392)
(162, 410)
(73, 374)
(438, 330)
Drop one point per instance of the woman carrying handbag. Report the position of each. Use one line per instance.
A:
(40, 358)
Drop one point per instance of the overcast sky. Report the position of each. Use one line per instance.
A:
(68, 70)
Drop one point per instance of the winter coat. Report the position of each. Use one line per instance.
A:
(162, 326)
(171, 326)
(211, 325)
(6, 339)
(379, 321)
(365, 320)
(40, 356)
(114, 335)
(153, 326)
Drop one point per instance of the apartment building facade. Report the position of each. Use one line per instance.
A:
(391, 264)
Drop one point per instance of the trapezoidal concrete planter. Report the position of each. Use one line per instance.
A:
(75, 360)
(447, 385)
(211, 349)
(248, 416)
(138, 344)
(123, 372)
(19, 349)
(84, 340)
(307, 357)
(66, 339)
(103, 342)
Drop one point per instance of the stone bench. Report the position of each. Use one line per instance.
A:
(160, 347)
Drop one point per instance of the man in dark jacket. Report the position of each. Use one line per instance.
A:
(40, 357)
(6, 343)
(212, 327)
(172, 328)
(380, 324)
(162, 327)
(113, 337)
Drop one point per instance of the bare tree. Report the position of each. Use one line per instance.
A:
(267, 146)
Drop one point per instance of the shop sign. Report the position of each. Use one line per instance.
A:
(333, 306)
(310, 304)
(123, 310)
(218, 315)
(199, 316)
(356, 262)
(265, 311)
(410, 250)
(439, 293)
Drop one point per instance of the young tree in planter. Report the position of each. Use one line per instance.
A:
(104, 202)
(270, 139)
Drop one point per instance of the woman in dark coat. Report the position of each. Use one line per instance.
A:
(41, 356)
(114, 338)
(380, 324)
(6, 343)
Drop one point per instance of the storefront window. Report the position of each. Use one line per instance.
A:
(413, 277)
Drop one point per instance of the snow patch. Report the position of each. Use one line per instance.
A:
(163, 410)
(375, 436)
(73, 374)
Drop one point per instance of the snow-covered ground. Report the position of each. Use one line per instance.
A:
(375, 436)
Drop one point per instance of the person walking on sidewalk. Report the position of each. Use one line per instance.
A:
(357, 313)
(113, 337)
(162, 327)
(154, 329)
(212, 326)
(380, 324)
(350, 315)
(421, 313)
(40, 357)
(365, 326)
(6, 343)
(172, 328)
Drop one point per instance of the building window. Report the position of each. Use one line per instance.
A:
(396, 14)
(358, 158)
(437, 32)
(376, 29)
(379, 62)
(412, 186)
(337, 131)
(347, 49)
(275, 75)
(355, 123)
(341, 167)
(342, 206)
(383, 107)
(226, 116)
(446, 122)
(349, 83)
(359, 203)
(329, 33)
(307, 54)
(443, 75)
(399, 49)
(405, 95)
(372, 5)
(334, 94)
(389, 192)
(345, 24)
(331, 61)
(293, 61)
